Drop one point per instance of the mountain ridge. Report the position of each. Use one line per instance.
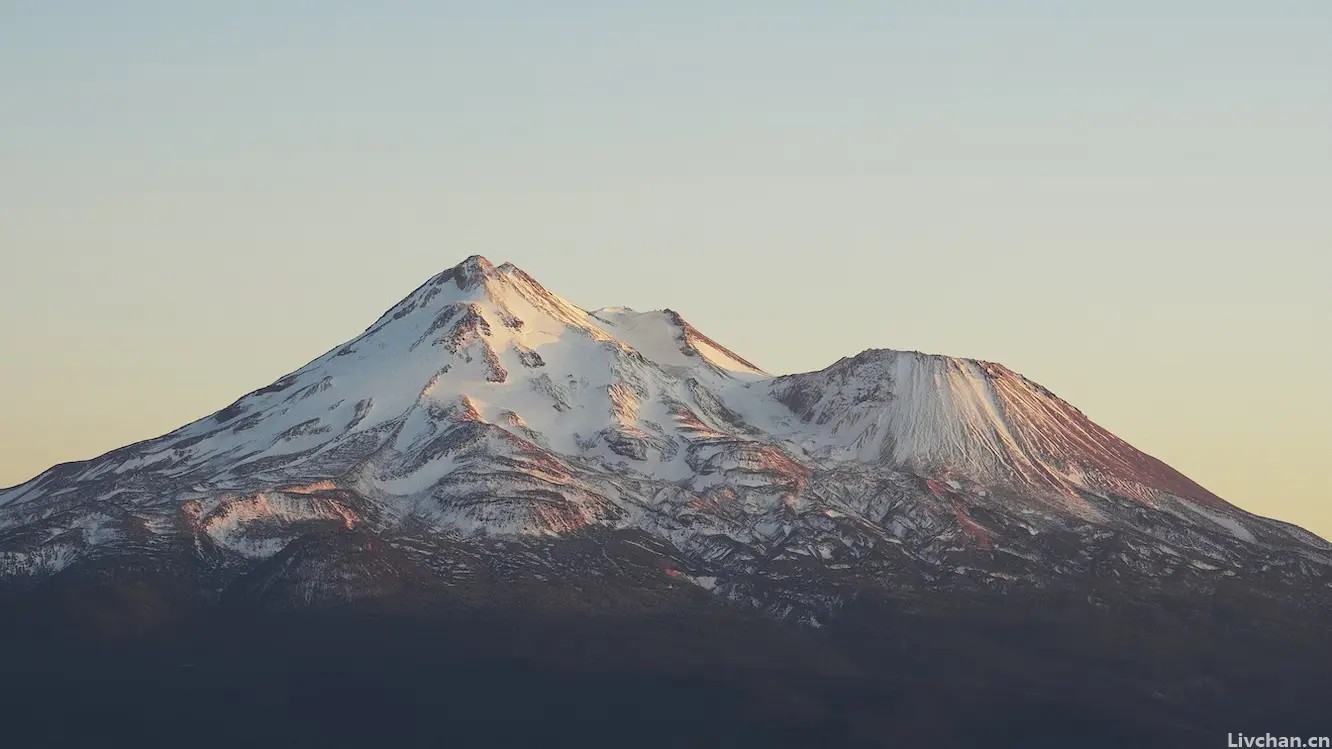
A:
(482, 405)
(494, 504)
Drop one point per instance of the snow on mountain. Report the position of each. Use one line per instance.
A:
(938, 416)
(483, 405)
(666, 339)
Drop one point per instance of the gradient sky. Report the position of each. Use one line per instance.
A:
(1129, 202)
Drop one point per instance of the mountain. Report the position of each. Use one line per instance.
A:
(488, 445)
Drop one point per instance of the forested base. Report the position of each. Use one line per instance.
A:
(133, 664)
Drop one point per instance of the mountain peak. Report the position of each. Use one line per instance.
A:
(472, 271)
(486, 444)
(484, 404)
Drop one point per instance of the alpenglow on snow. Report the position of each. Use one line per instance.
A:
(483, 406)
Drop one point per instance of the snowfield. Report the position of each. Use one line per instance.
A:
(483, 405)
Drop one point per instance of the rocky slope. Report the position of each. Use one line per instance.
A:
(484, 427)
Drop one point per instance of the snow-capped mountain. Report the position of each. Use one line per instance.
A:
(483, 414)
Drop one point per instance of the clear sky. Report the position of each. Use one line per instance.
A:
(1129, 202)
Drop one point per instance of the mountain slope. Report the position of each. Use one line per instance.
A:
(494, 510)
(483, 406)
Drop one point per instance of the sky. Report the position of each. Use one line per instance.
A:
(1129, 202)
